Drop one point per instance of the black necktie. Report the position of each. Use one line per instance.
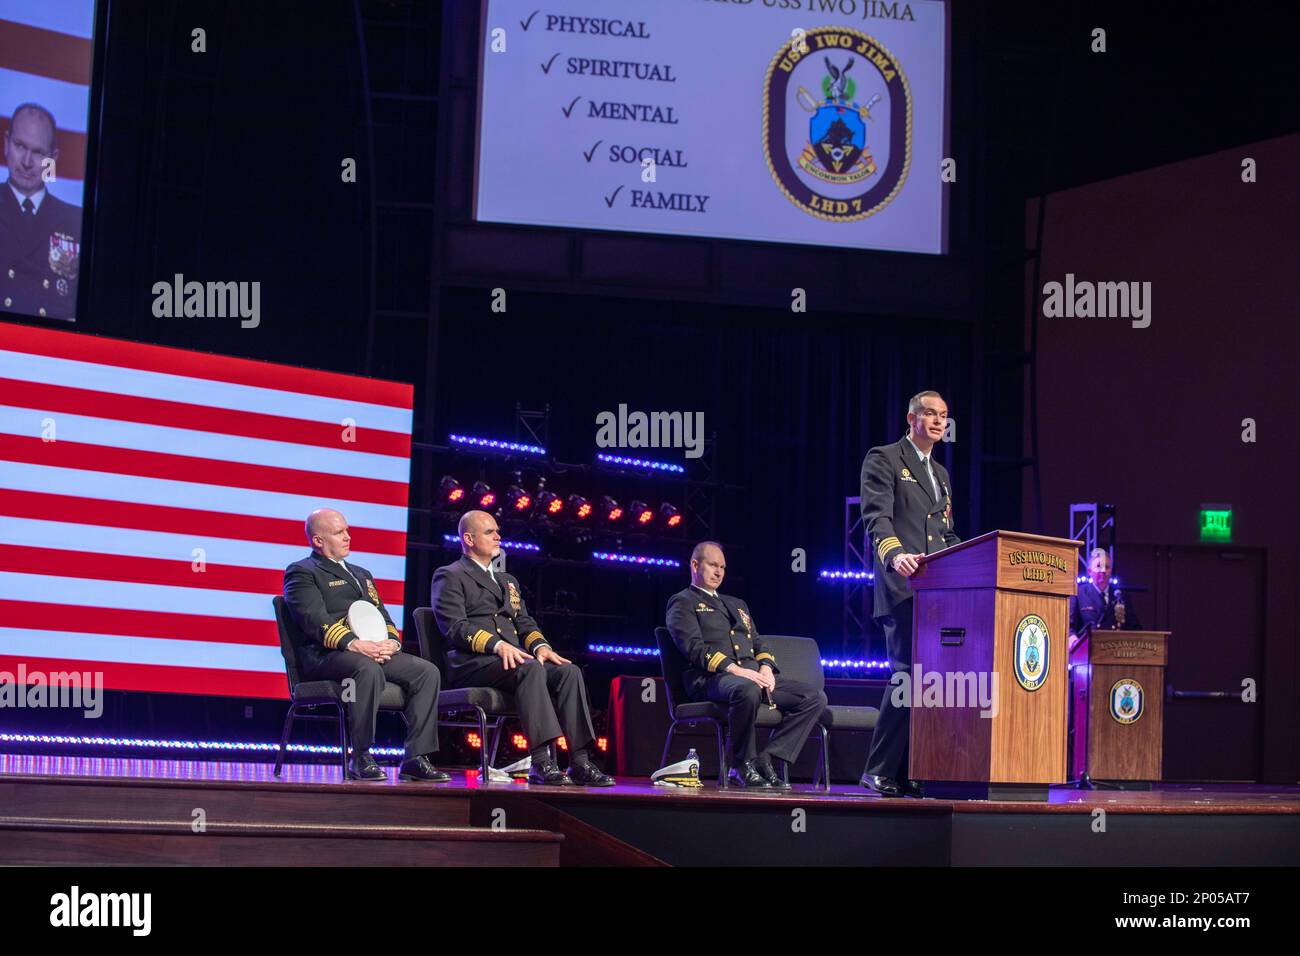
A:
(29, 207)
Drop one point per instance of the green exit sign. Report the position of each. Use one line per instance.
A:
(1216, 523)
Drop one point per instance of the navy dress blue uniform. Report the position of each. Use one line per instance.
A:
(40, 253)
(712, 632)
(319, 592)
(476, 611)
(1091, 608)
(904, 513)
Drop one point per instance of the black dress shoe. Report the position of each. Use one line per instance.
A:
(912, 788)
(768, 773)
(589, 775)
(546, 773)
(747, 775)
(364, 767)
(885, 786)
(419, 768)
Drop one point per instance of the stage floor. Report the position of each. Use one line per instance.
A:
(1165, 797)
(637, 823)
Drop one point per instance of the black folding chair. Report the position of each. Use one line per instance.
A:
(801, 660)
(306, 696)
(490, 707)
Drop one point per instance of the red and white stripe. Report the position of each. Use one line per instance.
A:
(158, 452)
(46, 51)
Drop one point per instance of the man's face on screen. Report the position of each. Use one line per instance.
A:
(334, 537)
(29, 142)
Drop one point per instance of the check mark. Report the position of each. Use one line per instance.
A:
(524, 23)
(609, 200)
(569, 109)
(546, 67)
(588, 155)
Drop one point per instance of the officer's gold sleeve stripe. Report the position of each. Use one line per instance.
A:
(764, 656)
(479, 642)
(336, 632)
(717, 658)
(887, 545)
(392, 629)
(532, 638)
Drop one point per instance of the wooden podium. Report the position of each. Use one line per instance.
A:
(992, 613)
(1117, 681)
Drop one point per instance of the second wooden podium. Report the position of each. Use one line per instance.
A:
(989, 670)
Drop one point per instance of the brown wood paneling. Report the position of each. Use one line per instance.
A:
(1126, 751)
(951, 743)
(1029, 732)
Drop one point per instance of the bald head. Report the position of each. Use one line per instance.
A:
(708, 565)
(480, 538)
(327, 532)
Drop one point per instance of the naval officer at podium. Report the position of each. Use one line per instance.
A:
(907, 509)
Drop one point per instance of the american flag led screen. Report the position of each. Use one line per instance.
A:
(150, 499)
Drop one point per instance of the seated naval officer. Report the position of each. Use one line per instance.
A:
(40, 234)
(728, 664)
(319, 589)
(1098, 604)
(493, 642)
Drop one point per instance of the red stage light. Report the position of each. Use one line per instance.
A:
(484, 494)
(579, 507)
(584, 509)
(555, 506)
(520, 742)
(451, 489)
(642, 512)
(602, 743)
(473, 740)
(562, 743)
(609, 509)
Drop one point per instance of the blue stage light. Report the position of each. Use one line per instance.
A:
(494, 444)
(847, 576)
(640, 559)
(855, 665)
(142, 743)
(626, 462)
(454, 541)
(621, 650)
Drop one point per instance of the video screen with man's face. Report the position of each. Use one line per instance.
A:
(45, 65)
